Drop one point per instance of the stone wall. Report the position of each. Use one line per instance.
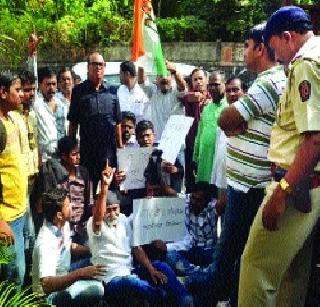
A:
(207, 54)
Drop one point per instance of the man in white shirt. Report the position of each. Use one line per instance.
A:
(131, 96)
(164, 97)
(50, 112)
(52, 254)
(110, 238)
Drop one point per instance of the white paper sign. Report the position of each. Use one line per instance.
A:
(158, 219)
(133, 161)
(173, 136)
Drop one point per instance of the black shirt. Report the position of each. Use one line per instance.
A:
(97, 112)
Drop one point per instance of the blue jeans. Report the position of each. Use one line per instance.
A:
(185, 262)
(123, 291)
(81, 293)
(80, 263)
(15, 270)
(223, 274)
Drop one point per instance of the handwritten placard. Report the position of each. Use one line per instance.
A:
(158, 219)
(173, 136)
(133, 161)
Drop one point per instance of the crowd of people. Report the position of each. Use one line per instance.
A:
(250, 160)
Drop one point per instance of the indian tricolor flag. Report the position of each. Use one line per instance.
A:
(146, 50)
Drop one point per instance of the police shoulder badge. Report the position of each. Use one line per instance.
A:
(304, 90)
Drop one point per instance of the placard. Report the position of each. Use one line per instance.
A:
(173, 136)
(158, 219)
(133, 161)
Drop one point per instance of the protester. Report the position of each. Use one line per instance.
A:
(290, 210)
(79, 186)
(194, 102)
(201, 227)
(28, 88)
(65, 85)
(131, 96)
(76, 79)
(128, 125)
(52, 254)
(164, 97)
(32, 157)
(13, 180)
(97, 112)
(50, 113)
(247, 123)
(235, 89)
(172, 175)
(204, 145)
(219, 170)
(153, 282)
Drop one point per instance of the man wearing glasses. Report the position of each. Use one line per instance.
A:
(97, 112)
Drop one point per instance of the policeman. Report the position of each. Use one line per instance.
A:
(290, 209)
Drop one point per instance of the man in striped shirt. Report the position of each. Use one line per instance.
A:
(247, 123)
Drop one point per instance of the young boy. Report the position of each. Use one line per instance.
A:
(79, 186)
(13, 179)
(172, 174)
(52, 254)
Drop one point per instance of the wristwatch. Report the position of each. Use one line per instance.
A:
(285, 186)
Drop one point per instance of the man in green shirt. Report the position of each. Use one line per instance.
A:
(204, 148)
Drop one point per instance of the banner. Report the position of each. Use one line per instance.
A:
(133, 161)
(173, 136)
(158, 219)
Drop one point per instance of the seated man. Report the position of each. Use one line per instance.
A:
(51, 258)
(79, 186)
(110, 235)
(172, 174)
(201, 224)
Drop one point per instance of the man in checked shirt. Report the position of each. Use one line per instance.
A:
(201, 233)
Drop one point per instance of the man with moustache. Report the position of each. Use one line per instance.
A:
(97, 112)
(247, 122)
(204, 146)
(280, 239)
(128, 125)
(164, 97)
(65, 85)
(194, 102)
(50, 112)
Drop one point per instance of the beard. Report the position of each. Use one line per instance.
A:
(112, 222)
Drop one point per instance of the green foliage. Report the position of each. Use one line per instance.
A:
(80, 25)
(6, 254)
(173, 29)
(11, 297)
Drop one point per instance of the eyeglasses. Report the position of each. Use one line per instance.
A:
(97, 64)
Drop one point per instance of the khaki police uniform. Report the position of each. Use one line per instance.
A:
(268, 255)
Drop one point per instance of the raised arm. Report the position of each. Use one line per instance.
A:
(181, 83)
(99, 209)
